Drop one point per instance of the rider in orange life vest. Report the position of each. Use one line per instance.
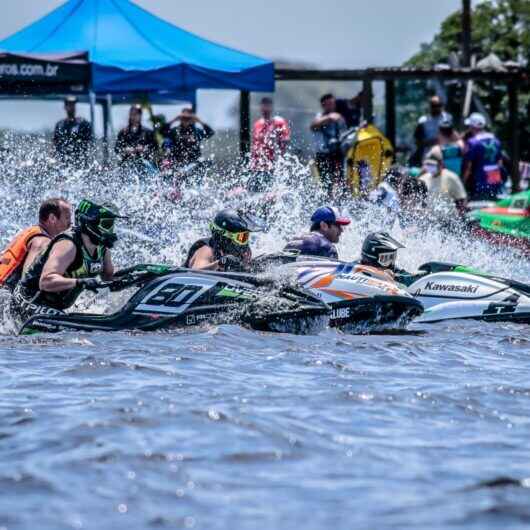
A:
(55, 216)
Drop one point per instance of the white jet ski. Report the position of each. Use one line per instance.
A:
(449, 291)
(360, 299)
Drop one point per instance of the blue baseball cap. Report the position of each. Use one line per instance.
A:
(329, 214)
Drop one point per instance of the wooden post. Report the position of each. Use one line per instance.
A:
(244, 122)
(368, 105)
(514, 132)
(466, 32)
(390, 110)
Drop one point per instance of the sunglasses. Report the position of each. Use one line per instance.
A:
(240, 238)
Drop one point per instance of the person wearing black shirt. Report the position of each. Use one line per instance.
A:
(135, 143)
(72, 137)
(351, 110)
(185, 139)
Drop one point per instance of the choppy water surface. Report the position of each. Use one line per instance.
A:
(228, 428)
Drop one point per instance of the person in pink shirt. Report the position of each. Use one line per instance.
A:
(270, 138)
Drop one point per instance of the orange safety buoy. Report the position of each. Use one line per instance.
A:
(17, 250)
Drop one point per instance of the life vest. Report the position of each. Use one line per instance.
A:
(83, 266)
(204, 242)
(13, 257)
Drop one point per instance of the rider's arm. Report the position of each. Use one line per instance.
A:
(36, 246)
(208, 131)
(203, 259)
(108, 267)
(319, 121)
(61, 257)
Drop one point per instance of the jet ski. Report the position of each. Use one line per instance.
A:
(449, 291)
(360, 301)
(169, 297)
(506, 223)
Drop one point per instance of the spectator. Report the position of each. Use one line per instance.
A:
(445, 189)
(185, 139)
(72, 137)
(386, 195)
(351, 110)
(327, 128)
(426, 133)
(412, 204)
(135, 143)
(270, 137)
(450, 147)
(482, 160)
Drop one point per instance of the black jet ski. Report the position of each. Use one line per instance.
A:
(168, 297)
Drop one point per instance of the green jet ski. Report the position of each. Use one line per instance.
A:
(507, 223)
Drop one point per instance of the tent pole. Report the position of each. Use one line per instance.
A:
(92, 101)
(111, 121)
(244, 122)
(105, 108)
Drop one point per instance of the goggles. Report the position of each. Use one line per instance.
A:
(239, 238)
(106, 224)
(387, 259)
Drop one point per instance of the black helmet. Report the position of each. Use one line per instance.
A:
(97, 222)
(380, 250)
(231, 230)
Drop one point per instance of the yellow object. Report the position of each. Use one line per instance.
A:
(367, 159)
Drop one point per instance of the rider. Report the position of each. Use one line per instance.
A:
(69, 264)
(227, 249)
(326, 228)
(379, 255)
(54, 217)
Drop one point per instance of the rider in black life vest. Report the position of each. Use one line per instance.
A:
(326, 228)
(69, 264)
(227, 249)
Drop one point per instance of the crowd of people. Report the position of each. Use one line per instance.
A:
(447, 168)
(175, 143)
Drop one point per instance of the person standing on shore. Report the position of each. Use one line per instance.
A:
(427, 129)
(482, 160)
(72, 137)
(185, 140)
(270, 138)
(327, 128)
(135, 143)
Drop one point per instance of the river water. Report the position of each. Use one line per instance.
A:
(227, 428)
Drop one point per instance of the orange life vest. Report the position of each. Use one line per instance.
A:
(15, 254)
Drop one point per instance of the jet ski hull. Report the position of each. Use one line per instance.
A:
(455, 293)
(185, 299)
(360, 301)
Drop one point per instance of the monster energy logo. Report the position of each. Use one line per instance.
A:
(84, 206)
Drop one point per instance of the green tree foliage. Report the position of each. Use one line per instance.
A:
(501, 27)
(498, 26)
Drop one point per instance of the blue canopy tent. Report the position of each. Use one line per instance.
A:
(132, 52)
